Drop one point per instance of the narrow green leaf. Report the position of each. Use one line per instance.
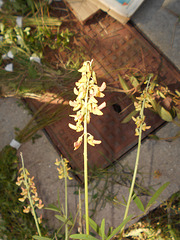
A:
(123, 83)
(134, 81)
(154, 104)
(125, 87)
(118, 229)
(161, 94)
(110, 231)
(156, 195)
(129, 116)
(153, 136)
(164, 114)
(52, 207)
(177, 112)
(124, 200)
(138, 202)
(41, 238)
(64, 220)
(95, 227)
(83, 236)
(103, 229)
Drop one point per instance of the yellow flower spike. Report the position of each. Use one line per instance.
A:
(63, 169)
(88, 89)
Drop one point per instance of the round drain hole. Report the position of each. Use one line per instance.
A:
(116, 107)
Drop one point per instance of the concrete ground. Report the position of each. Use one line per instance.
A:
(159, 160)
(159, 21)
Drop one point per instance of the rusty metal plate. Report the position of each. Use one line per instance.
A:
(115, 49)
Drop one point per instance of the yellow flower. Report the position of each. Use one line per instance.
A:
(26, 209)
(86, 90)
(63, 168)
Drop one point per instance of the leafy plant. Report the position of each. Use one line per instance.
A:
(14, 224)
(162, 101)
(85, 103)
(161, 223)
(29, 192)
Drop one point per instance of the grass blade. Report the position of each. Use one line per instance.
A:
(157, 193)
(118, 229)
(83, 236)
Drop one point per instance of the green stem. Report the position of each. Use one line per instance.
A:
(86, 163)
(66, 203)
(137, 159)
(86, 177)
(134, 177)
(29, 197)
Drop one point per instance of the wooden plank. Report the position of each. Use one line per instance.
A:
(118, 17)
(83, 9)
(100, 5)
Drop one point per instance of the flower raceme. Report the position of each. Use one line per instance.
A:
(85, 103)
(63, 168)
(29, 190)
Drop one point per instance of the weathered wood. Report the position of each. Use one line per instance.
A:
(82, 9)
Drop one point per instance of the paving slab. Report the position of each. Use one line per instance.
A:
(159, 21)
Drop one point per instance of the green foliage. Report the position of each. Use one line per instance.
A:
(160, 224)
(15, 224)
(157, 194)
(20, 7)
(158, 94)
(41, 238)
(100, 230)
(138, 202)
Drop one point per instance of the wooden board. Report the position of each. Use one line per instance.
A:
(82, 9)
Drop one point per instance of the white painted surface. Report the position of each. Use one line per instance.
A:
(124, 10)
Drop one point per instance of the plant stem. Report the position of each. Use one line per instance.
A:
(137, 157)
(86, 164)
(80, 217)
(66, 203)
(134, 176)
(29, 197)
(86, 177)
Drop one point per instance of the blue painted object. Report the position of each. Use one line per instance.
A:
(123, 1)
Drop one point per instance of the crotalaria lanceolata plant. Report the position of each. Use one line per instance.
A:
(86, 90)
(63, 171)
(85, 103)
(144, 101)
(29, 193)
